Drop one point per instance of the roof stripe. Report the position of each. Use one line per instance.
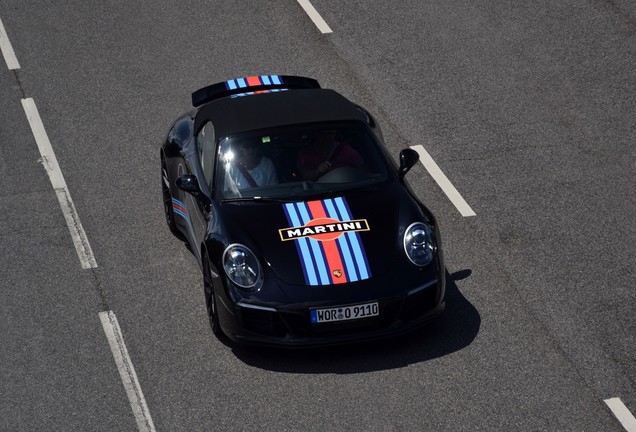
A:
(253, 81)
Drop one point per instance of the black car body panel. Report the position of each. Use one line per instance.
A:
(335, 241)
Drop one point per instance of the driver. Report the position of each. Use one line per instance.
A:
(250, 168)
(326, 153)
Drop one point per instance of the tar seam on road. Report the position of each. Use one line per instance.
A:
(82, 246)
(623, 414)
(315, 16)
(127, 372)
(443, 182)
(7, 49)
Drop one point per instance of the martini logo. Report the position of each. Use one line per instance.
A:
(323, 229)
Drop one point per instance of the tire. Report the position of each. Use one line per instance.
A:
(210, 298)
(167, 202)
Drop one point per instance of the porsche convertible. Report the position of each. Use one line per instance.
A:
(305, 229)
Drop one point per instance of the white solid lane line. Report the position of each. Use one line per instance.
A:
(622, 414)
(83, 248)
(443, 182)
(315, 16)
(7, 49)
(127, 371)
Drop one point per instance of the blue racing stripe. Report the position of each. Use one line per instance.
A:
(318, 254)
(357, 235)
(180, 213)
(354, 244)
(174, 200)
(354, 240)
(264, 79)
(303, 249)
(359, 254)
(343, 246)
(346, 250)
(345, 253)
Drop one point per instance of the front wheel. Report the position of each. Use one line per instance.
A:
(210, 298)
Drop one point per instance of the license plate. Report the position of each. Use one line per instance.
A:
(344, 313)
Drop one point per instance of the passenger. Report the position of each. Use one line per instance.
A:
(249, 167)
(326, 153)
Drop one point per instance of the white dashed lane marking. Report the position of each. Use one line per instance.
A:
(443, 182)
(7, 49)
(127, 371)
(315, 16)
(83, 248)
(623, 414)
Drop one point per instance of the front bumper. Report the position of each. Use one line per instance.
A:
(290, 326)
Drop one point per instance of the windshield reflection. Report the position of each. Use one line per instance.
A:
(298, 161)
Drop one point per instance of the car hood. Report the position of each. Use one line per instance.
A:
(327, 241)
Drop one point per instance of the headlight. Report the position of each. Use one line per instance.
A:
(241, 266)
(417, 244)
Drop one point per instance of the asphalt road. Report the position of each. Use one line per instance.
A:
(527, 107)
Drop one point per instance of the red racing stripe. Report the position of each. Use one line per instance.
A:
(253, 81)
(334, 260)
(178, 207)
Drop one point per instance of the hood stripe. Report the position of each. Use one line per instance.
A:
(354, 239)
(318, 253)
(302, 247)
(319, 259)
(343, 246)
(330, 247)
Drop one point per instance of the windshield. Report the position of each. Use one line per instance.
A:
(298, 161)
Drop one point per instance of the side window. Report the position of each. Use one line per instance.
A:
(207, 154)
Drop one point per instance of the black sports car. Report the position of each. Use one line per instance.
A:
(303, 226)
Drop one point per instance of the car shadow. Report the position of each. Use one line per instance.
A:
(455, 329)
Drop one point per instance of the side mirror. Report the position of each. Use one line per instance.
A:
(190, 184)
(408, 158)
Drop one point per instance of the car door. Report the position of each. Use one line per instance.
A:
(201, 164)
